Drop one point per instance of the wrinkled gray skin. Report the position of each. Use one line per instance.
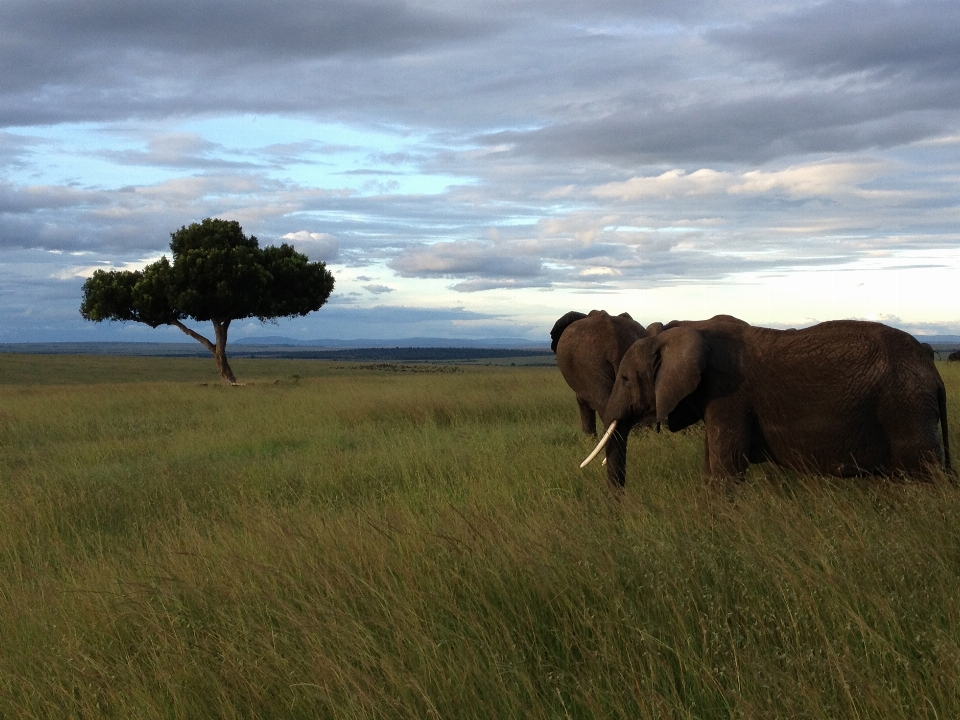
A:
(841, 398)
(589, 348)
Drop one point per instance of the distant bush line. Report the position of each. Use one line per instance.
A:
(380, 354)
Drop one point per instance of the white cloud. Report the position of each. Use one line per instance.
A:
(670, 184)
(821, 179)
(480, 284)
(322, 247)
(600, 272)
(825, 179)
(85, 271)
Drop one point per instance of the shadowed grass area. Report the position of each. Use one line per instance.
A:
(368, 544)
(19, 369)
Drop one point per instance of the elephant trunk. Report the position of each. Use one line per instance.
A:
(599, 447)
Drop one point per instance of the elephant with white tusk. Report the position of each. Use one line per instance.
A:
(589, 348)
(841, 398)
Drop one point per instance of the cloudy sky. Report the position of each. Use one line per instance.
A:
(477, 169)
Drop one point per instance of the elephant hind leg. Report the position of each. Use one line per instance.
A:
(912, 435)
(919, 455)
(588, 418)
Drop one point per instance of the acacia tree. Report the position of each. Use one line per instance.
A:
(217, 274)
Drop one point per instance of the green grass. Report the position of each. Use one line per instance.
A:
(334, 541)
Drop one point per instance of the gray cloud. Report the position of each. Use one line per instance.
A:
(389, 314)
(386, 321)
(16, 199)
(210, 27)
(177, 150)
(15, 149)
(480, 284)
(574, 76)
(921, 37)
(461, 258)
(114, 57)
(757, 129)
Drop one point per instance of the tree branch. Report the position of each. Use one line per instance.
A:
(196, 336)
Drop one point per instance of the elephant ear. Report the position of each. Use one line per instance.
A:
(682, 360)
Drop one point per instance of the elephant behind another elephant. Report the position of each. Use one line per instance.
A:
(589, 348)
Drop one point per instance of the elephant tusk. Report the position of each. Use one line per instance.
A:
(599, 447)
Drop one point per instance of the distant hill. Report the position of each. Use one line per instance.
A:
(942, 345)
(389, 353)
(423, 349)
(106, 348)
(936, 340)
(414, 342)
(393, 354)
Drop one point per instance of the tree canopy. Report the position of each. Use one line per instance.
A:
(218, 274)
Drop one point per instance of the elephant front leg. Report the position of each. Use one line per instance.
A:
(588, 418)
(725, 453)
(617, 457)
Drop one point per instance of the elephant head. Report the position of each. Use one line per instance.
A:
(654, 383)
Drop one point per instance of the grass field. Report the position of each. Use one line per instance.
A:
(334, 541)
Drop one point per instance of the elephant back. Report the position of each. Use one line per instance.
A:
(560, 325)
(590, 350)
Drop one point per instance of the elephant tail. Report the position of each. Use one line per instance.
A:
(560, 325)
(942, 403)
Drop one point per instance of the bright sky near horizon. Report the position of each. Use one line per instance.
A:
(477, 169)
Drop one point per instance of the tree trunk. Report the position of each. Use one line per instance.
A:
(219, 349)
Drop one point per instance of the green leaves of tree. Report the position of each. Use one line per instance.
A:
(217, 274)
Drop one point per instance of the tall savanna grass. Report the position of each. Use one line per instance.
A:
(333, 541)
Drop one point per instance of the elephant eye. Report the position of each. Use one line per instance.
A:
(624, 378)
